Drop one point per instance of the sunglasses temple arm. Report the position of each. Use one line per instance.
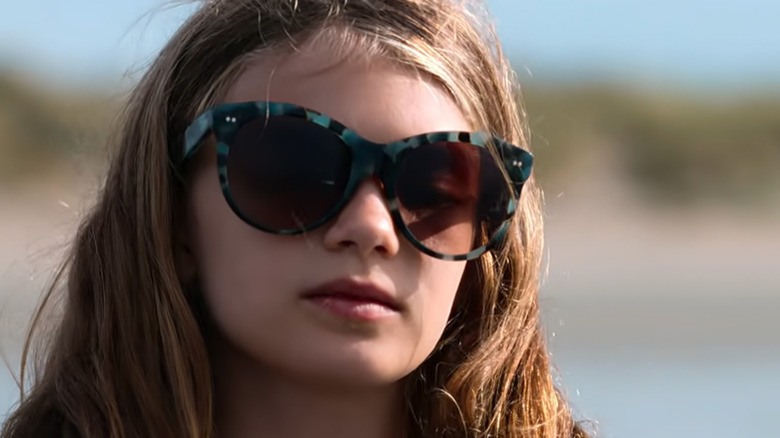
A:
(195, 133)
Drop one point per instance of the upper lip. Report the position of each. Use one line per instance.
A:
(355, 288)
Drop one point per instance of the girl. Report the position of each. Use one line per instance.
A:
(318, 222)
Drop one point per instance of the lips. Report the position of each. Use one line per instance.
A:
(359, 291)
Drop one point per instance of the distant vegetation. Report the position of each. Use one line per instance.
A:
(40, 127)
(670, 146)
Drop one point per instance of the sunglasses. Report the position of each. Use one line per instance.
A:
(285, 169)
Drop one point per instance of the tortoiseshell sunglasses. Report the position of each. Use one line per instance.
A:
(285, 169)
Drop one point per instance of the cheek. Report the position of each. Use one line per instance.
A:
(232, 259)
(442, 282)
(435, 303)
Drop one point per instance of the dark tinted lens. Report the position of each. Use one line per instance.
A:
(452, 196)
(285, 172)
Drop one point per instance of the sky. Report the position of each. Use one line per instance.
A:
(687, 40)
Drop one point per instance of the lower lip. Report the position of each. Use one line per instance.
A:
(353, 308)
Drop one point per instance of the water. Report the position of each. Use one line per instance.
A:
(644, 394)
(8, 394)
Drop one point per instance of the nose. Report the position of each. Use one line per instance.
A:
(364, 224)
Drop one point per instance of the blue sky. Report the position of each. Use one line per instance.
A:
(688, 40)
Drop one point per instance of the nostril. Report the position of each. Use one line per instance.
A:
(348, 244)
(382, 250)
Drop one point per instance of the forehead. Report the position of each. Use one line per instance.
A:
(373, 96)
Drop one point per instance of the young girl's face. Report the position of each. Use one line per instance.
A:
(256, 284)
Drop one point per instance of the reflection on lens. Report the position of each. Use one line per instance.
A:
(286, 173)
(452, 196)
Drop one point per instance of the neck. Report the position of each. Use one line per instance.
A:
(254, 401)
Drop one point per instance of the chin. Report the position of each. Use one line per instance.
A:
(357, 369)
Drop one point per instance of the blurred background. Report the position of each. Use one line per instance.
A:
(656, 126)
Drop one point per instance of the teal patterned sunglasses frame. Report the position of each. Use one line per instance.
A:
(369, 159)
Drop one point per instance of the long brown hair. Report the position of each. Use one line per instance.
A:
(127, 357)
